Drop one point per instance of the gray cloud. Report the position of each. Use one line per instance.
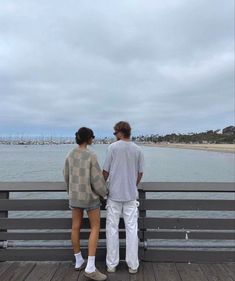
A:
(164, 66)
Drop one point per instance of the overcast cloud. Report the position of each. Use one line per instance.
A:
(164, 66)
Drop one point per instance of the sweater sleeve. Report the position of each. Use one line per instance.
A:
(66, 174)
(97, 180)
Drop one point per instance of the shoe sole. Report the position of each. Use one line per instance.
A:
(80, 268)
(87, 276)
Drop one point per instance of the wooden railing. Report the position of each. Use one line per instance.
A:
(36, 237)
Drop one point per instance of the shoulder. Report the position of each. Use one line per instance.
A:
(114, 145)
(136, 147)
(91, 155)
(111, 147)
(71, 153)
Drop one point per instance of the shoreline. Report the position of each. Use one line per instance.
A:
(227, 148)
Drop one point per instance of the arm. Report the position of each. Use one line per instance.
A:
(105, 175)
(139, 177)
(140, 167)
(97, 180)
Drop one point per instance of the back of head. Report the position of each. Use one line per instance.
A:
(83, 135)
(124, 128)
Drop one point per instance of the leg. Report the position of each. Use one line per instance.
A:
(114, 210)
(77, 216)
(91, 271)
(94, 219)
(130, 214)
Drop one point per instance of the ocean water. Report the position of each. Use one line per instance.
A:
(45, 163)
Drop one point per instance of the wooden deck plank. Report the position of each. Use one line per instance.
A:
(121, 274)
(149, 272)
(215, 272)
(61, 271)
(23, 271)
(190, 272)
(138, 276)
(72, 274)
(43, 271)
(230, 268)
(166, 272)
(4, 266)
(19, 272)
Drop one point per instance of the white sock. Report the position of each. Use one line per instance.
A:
(79, 259)
(90, 267)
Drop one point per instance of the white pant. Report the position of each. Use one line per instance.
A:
(129, 210)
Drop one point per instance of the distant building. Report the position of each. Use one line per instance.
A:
(229, 130)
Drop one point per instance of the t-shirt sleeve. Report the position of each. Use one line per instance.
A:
(141, 162)
(108, 160)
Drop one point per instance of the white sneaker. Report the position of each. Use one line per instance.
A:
(111, 269)
(133, 271)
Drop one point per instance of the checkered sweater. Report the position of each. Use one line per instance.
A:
(84, 179)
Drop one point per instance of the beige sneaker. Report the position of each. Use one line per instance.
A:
(111, 269)
(133, 271)
(96, 275)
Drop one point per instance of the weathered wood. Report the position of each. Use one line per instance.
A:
(46, 223)
(187, 204)
(215, 272)
(4, 195)
(142, 214)
(146, 186)
(4, 266)
(200, 234)
(34, 204)
(62, 271)
(149, 227)
(72, 275)
(48, 254)
(51, 235)
(187, 223)
(32, 186)
(191, 272)
(18, 271)
(189, 255)
(166, 272)
(230, 269)
(43, 271)
(187, 186)
(148, 271)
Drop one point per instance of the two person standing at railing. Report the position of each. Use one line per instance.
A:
(123, 168)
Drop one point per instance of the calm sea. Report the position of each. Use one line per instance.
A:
(45, 163)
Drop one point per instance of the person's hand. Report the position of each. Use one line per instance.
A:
(103, 201)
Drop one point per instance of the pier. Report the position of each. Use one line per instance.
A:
(173, 248)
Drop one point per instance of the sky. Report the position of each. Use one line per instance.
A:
(163, 66)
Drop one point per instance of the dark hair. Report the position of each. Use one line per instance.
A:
(123, 127)
(83, 135)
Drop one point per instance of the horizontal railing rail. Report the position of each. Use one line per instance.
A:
(165, 237)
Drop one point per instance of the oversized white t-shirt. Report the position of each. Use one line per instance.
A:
(124, 160)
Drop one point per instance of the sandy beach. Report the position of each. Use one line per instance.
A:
(229, 148)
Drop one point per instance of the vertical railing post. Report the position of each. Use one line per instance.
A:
(3, 214)
(142, 215)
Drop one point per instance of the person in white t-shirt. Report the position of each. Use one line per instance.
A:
(123, 168)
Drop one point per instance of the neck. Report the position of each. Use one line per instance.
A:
(83, 146)
(125, 139)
